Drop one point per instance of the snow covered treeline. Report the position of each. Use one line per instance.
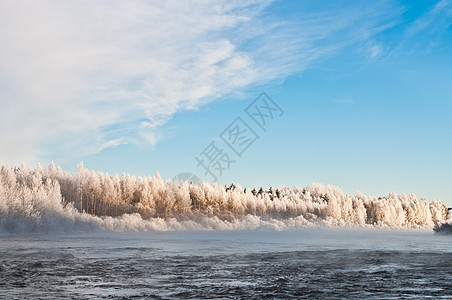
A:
(44, 195)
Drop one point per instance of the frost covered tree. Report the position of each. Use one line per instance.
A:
(45, 194)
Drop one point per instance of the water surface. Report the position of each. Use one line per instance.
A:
(310, 263)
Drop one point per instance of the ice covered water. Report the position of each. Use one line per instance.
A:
(310, 263)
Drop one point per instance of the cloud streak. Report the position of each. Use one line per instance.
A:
(79, 77)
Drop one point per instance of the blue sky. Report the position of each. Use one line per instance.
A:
(365, 88)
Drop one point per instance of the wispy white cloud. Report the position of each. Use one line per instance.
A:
(374, 50)
(423, 32)
(344, 101)
(79, 76)
(439, 17)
